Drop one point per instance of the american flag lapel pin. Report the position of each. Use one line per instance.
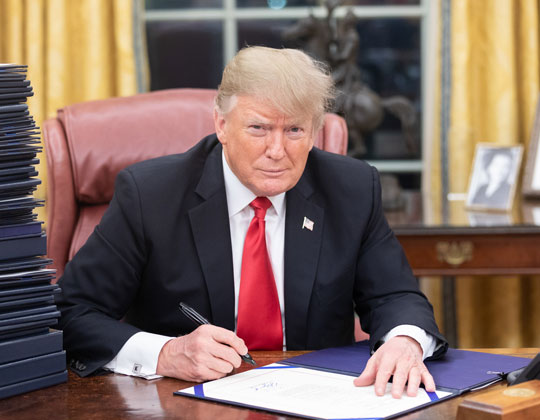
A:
(308, 224)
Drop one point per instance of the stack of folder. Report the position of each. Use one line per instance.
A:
(31, 355)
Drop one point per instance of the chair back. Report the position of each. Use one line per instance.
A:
(87, 144)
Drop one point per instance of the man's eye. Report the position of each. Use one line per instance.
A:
(256, 130)
(296, 130)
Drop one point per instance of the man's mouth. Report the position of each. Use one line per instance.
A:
(274, 173)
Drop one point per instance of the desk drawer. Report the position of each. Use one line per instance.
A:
(486, 254)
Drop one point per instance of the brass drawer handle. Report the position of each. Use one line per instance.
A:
(454, 253)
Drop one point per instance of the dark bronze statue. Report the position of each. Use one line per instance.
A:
(337, 43)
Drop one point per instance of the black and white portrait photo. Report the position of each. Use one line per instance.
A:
(494, 177)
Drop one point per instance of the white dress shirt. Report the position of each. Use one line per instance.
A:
(139, 355)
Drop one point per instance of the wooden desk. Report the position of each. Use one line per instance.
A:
(122, 397)
(453, 241)
(456, 241)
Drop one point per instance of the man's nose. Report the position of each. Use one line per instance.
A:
(275, 145)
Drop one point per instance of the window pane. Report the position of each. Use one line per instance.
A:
(185, 54)
(389, 60)
(264, 32)
(182, 4)
(407, 181)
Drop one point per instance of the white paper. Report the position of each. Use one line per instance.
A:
(309, 393)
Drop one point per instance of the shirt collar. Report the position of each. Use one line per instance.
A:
(239, 196)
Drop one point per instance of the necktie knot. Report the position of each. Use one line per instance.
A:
(260, 205)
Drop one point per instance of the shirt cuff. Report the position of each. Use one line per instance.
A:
(426, 341)
(139, 356)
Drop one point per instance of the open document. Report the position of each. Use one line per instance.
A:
(320, 384)
(307, 392)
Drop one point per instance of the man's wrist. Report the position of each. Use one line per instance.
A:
(166, 355)
(426, 341)
(139, 355)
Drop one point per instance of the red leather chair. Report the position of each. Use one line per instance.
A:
(88, 143)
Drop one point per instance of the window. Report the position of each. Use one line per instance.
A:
(189, 42)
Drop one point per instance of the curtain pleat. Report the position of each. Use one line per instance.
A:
(495, 85)
(76, 50)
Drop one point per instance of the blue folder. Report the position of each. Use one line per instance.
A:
(458, 371)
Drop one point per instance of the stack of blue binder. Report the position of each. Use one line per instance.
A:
(31, 354)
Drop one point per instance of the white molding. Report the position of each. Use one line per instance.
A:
(362, 12)
(230, 31)
(140, 53)
(399, 166)
(187, 14)
(430, 54)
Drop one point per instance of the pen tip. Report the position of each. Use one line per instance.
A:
(248, 359)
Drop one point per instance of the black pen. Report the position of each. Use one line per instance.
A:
(201, 320)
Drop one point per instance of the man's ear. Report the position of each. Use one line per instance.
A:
(219, 125)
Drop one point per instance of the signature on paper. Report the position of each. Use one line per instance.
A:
(266, 386)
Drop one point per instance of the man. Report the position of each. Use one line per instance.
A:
(495, 193)
(261, 234)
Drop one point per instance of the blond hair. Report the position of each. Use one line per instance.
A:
(289, 79)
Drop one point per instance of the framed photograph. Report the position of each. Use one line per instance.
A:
(485, 218)
(494, 177)
(530, 211)
(531, 176)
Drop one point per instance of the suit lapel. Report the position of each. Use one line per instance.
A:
(302, 248)
(210, 226)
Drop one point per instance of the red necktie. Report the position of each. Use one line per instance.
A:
(259, 315)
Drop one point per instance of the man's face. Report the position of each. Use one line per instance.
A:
(499, 168)
(265, 149)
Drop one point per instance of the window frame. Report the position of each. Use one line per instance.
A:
(230, 15)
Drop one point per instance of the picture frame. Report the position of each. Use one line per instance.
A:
(487, 218)
(531, 174)
(494, 177)
(530, 212)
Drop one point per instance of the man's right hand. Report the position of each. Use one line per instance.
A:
(207, 353)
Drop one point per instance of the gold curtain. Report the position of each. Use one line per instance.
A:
(75, 51)
(495, 84)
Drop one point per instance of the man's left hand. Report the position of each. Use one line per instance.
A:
(400, 356)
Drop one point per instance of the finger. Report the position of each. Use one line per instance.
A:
(205, 366)
(239, 346)
(225, 336)
(225, 353)
(218, 341)
(204, 373)
(367, 377)
(219, 365)
(414, 382)
(385, 371)
(427, 380)
(205, 352)
(401, 374)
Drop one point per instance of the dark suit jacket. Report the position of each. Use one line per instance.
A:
(165, 238)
